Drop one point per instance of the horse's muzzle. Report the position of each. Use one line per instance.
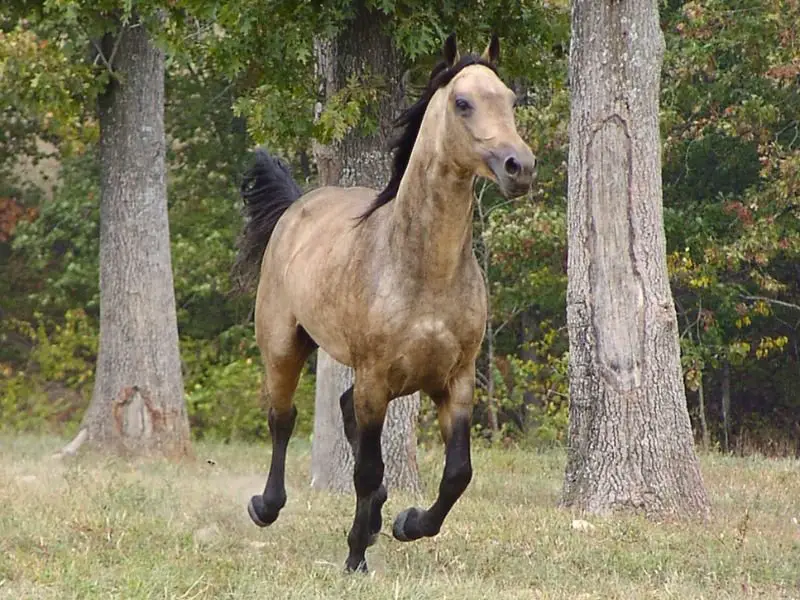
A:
(514, 169)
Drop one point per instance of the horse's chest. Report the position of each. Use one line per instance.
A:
(431, 351)
(433, 336)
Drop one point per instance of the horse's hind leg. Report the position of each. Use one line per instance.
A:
(282, 375)
(455, 416)
(351, 433)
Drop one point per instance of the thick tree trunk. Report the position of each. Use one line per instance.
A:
(362, 49)
(331, 456)
(630, 439)
(138, 402)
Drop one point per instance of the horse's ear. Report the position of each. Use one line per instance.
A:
(492, 52)
(450, 50)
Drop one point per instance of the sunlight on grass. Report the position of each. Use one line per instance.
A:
(99, 527)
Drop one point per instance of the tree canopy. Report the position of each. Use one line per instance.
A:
(242, 73)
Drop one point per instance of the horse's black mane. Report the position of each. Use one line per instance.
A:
(411, 120)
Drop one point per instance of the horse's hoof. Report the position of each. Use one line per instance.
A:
(406, 525)
(356, 565)
(259, 513)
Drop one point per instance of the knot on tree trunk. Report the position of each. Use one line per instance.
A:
(135, 415)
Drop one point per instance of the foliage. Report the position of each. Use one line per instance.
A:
(63, 242)
(224, 389)
(527, 246)
(11, 214)
(227, 403)
(51, 390)
(223, 381)
(345, 110)
(65, 353)
(522, 246)
(731, 177)
(532, 392)
(44, 90)
(24, 406)
(243, 72)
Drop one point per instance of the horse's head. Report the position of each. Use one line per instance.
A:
(479, 131)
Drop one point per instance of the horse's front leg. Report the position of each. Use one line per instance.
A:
(351, 433)
(370, 405)
(455, 418)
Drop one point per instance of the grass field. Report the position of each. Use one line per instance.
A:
(97, 527)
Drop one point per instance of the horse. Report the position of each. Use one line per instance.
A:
(385, 282)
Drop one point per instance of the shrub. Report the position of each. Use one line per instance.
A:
(51, 391)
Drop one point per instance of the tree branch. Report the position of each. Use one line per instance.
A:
(481, 378)
(490, 210)
(514, 314)
(100, 55)
(772, 301)
(108, 61)
(71, 449)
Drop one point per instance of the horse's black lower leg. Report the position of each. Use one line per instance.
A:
(367, 477)
(264, 509)
(415, 523)
(379, 497)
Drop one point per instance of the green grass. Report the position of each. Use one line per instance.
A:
(98, 527)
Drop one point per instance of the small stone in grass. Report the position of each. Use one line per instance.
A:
(581, 525)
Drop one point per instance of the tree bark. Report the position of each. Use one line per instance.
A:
(331, 456)
(491, 401)
(701, 399)
(528, 327)
(726, 405)
(138, 403)
(630, 438)
(362, 49)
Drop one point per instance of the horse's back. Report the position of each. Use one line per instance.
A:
(308, 265)
(331, 202)
(322, 217)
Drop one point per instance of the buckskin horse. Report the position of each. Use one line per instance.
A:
(386, 283)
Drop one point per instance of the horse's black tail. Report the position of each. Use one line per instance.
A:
(268, 189)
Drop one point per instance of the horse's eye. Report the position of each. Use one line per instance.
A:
(463, 105)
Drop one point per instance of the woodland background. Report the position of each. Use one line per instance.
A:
(240, 74)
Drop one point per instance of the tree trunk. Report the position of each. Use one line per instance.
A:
(331, 456)
(726, 405)
(138, 403)
(529, 325)
(630, 439)
(701, 399)
(362, 49)
(491, 401)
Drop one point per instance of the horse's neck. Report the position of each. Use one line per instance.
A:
(431, 228)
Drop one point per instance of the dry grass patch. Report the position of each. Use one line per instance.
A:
(99, 527)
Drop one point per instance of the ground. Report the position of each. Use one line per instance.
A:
(96, 527)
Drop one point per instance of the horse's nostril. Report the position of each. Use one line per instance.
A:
(512, 166)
